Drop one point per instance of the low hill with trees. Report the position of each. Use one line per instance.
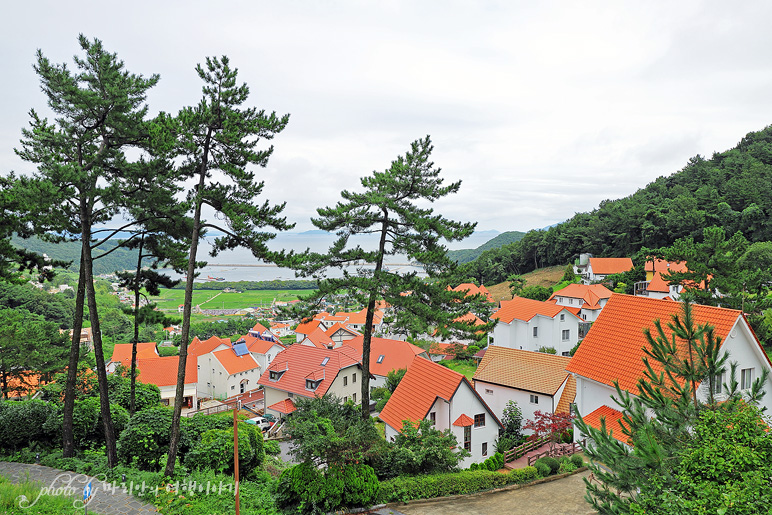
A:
(467, 255)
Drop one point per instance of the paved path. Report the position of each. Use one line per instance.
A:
(104, 501)
(560, 497)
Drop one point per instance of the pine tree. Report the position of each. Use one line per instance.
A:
(220, 135)
(81, 175)
(390, 207)
(658, 422)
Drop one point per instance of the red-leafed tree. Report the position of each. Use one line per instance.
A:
(552, 425)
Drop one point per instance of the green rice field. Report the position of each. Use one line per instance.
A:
(209, 299)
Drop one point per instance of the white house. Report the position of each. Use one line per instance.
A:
(585, 300)
(264, 351)
(122, 354)
(600, 268)
(613, 350)
(534, 380)
(227, 372)
(529, 324)
(447, 398)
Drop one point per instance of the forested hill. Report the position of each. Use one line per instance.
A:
(467, 255)
(732, 189)
(120, 259)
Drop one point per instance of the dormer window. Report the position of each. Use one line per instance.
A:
(275, 375)
(312, 385)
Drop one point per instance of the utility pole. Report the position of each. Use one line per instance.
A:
(236, 452)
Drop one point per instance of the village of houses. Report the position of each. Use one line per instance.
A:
(259, 373)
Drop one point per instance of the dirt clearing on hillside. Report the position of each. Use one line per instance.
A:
(546, 277)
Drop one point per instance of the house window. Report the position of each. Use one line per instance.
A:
(324, 361)
(535, 332)
(485, 448)
(479, 420)
(718, 379)
(570, 301)
(746, 378)
(345, 380)
(290, 395)
(354, 398)
(345, 399)
(562, 317)
(566, 334)
(488, 391)
(534, 399)
(243, 386)
(354, 377)
(233, 387)
(568, 353)
(311, 384)
(468, 438)
(433, 417)
(275, 375)
(380, 358)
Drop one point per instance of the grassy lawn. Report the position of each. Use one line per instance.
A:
(213, 299)
(45, 505)
(467, 368)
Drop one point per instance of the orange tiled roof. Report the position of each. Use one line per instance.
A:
(525, 370)
(198, 347)
(358, 317)
(608, 266)
(258, 346)
(658, 284)
(319, 339)
(568, 396)
(234, 364)
(660, 265)
(613, 421)
(525, 309)
(285, 406)
(464, 421)
(589, 294)
(301, 360)
(277, 325)
(259, 328)
(613, 349)
(122, 352)
(307, 327)
(396, 353)
(423, 382)
(163, 371)
(340, 327)
(472, 289)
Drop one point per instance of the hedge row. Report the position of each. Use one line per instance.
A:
(405, 488)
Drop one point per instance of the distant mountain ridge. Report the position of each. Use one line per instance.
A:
(466, 255)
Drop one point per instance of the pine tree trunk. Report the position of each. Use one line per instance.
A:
(133, 376)
(104, 399)
(186, 311)
(68, 436)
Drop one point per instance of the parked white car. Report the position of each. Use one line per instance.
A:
(263, 423)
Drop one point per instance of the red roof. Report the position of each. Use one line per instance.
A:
(234, 364)
(613, 421)
(307, 327)
(658, 284)
(393, 354)
(464, 421)
(613, 349)
(122, 352)
(285, 406)
(259, 328)
(525, 309)
(423, 382)
(472, 289)
(163, 371)
(300, 361)
(608, 266)
(589, 294)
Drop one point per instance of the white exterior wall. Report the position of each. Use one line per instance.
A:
(351, 388)
(466, 402)
(519, 334)
(168, 393)
(500, 395)
(265, 359)
(215, 382)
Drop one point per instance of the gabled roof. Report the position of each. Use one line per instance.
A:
(658, 284)
(464, 421)
(198, 347)
(285, 406)
(318, 338)
(613, 349)
(234, 364)
(258, 345)
(307, 327)
(259, 328)
(608, 266)
(163, 371)
(613, 421)
(660, 265)
(589, 294)
(301, 361)
(524, 370)
(357, 317)
(396, 353)
(343, 328)
(423, 382)
(525, 309)
(122, 352)
(472, 289)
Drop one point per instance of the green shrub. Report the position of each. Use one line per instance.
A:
(543, 469)
(566, 466)
(23, 423)
(474, 466)
(215, 450)
(428, 486)
(271, 447)
(505, 443)
(524, 475)
(577, 460)
(552, 463)
(303, 489)
(360, 485)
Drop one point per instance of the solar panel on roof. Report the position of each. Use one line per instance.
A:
(240, 348)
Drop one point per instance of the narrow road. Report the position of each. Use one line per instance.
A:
(560, 497)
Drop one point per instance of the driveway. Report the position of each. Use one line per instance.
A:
(560, 497)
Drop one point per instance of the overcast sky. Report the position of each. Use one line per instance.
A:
(542, 109)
